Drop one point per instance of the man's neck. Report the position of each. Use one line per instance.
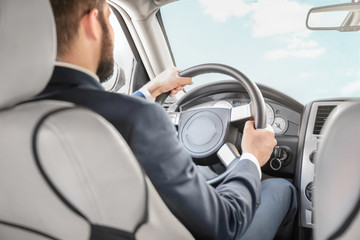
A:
(78, 68)
(81, 57)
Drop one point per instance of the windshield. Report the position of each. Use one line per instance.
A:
(268, 41)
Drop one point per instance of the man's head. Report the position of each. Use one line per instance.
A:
(84, 34)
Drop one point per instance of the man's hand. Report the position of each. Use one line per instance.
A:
(258, 142)
(168, 80)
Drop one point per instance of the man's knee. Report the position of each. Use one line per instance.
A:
(277, 184)
(279, 189)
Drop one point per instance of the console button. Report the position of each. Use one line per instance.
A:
(308, 191)
(312, 156)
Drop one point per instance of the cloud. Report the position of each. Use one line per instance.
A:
(304, 75)
(308, 53)
(353, 72)
(352, 87)
(297, 42)
(221, 10)
(288, 21)
(271, 20)
(297, 46)
(323, 91)
(283, 20)
(277, 54)
(302, 53)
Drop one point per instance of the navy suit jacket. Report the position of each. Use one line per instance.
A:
(223, 212)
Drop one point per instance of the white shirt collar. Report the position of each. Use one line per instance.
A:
(78, 68)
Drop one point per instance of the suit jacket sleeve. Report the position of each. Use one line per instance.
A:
(208, 213)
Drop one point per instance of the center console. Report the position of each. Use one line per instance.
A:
(314, 119)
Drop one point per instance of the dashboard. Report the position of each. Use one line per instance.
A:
(283, 114)
(283, 120)
(297, 127)
(298, 131)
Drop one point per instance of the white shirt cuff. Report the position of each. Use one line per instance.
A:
(147, 95)
(252, 158)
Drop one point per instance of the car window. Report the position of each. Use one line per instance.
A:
(123, 58)
(268, 41)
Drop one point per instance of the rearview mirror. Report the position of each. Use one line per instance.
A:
(341, 17)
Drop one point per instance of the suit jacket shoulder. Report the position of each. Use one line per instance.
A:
(118, 109)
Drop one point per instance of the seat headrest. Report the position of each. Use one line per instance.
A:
(27, 49)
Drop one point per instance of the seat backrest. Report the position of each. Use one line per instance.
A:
(337, 178)
(65, 172)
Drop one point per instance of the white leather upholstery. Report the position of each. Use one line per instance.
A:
(8, 233)
(26, 198)
(73, 160)
(97, 171)
(337, 178)
(161, 224)
(89, 163)
(90, 170)
(24, 70)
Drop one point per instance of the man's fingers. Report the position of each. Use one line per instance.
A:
(174, 92)
(269, 128)
(185, 81)
(179, 88)
(182, 81)
(249, 125)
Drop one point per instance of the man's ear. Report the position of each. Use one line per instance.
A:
(91, 24)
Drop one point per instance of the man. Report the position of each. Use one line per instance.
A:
(85, 44)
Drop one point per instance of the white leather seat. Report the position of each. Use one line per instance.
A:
(65, 173)
(337, 178)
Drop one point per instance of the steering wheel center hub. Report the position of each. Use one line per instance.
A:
(202, 133)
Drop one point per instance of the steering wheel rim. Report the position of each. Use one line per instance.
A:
(257, 107)
(251, 88)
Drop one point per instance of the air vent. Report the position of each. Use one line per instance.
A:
(321, 116)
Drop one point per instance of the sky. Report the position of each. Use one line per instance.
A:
(267, 40)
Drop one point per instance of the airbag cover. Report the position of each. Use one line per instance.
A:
(202, 133)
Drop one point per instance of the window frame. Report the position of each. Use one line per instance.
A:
(139, 75)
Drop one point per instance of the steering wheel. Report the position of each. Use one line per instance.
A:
(206, 133)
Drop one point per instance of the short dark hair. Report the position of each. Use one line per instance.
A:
(68, 14)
